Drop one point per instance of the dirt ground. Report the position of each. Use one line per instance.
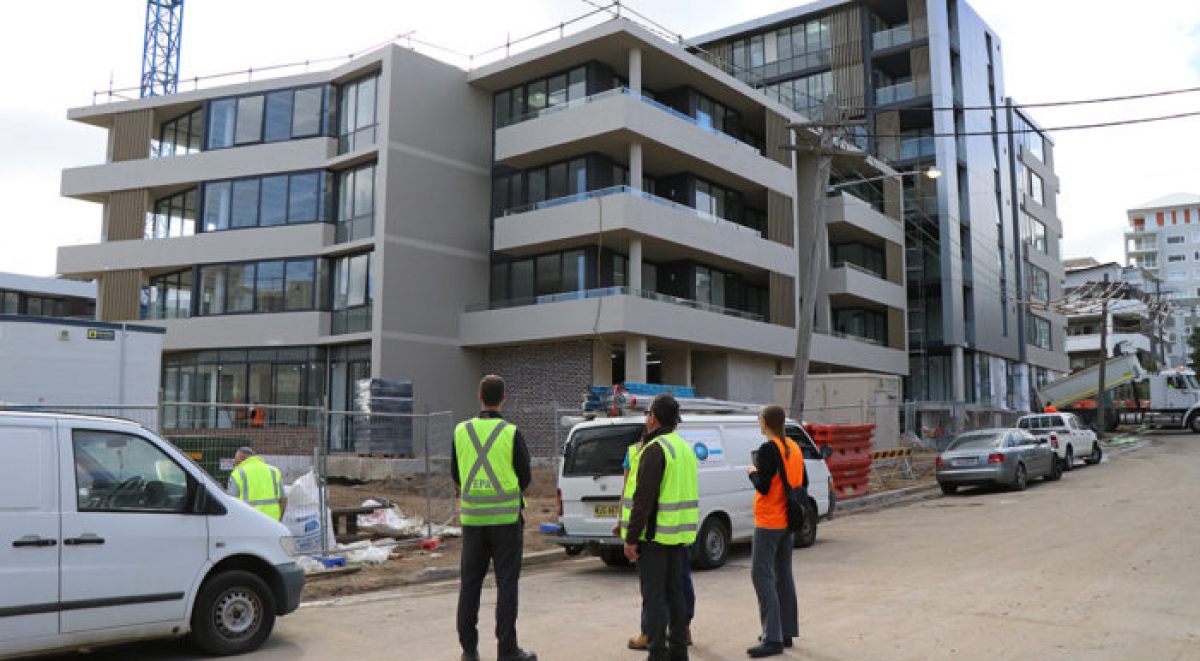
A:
(408, 561)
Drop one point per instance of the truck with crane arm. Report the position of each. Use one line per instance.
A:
(1169, 399)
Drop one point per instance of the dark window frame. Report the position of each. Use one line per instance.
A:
(323, 122)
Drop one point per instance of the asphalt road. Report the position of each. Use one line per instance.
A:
(1102, 565)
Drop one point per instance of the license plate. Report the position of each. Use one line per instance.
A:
(963, 461)
(608, 511)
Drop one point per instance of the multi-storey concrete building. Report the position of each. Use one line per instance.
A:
(1131, 319)
(46, 297)
(1164, 239)
(603, 208)
(924, 78)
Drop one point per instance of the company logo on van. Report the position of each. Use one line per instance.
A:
(701, 451)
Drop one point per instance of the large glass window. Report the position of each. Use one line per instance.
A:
(786, 50)
(1036, 188)
(180, 136)
(169, 296)
(300, 287)
(271, 117)
(550, 182)
(862, 255)
(1037, 283)
(525, 101)
(249, 120)
(1034, 232)
(117, 472)
(264, 287)
(264, 201)
(212, 290)
(1038, 330)
(269, 287)
(173, 216)
(357, 114)
(352, 294)
(865, 324)
(356, 203)
(241, 288)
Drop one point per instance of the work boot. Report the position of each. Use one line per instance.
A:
(470, 656)
(765, 649)
(787, 641)
(519, 655)
(639, 642)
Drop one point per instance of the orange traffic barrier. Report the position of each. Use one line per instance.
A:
(850, 463)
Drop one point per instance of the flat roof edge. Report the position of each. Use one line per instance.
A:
(81, 323)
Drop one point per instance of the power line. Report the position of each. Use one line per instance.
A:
(1067, 127)
(1057, 104)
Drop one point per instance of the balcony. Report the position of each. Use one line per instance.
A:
(858, 353)
(621, 310)
(592, 123)
(351, 320)
(846, 279)
(902, 91)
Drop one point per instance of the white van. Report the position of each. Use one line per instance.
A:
(590, 484)
(109, 534)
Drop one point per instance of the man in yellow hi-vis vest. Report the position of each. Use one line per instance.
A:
(661, 513)
(489, 463)
(257, 483)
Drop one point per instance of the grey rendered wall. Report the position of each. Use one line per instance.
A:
(432, 244)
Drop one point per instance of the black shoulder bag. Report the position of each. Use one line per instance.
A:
(794, 497)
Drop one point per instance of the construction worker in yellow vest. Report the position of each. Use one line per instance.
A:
(490, 466)
(660, 512)
(257, 483)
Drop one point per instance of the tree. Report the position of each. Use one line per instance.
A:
(1194, 345)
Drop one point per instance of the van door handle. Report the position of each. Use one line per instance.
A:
(29, 541)
(85, 539)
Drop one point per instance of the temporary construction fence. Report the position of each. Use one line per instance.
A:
(317, 452)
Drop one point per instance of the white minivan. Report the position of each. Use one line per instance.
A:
(590, 483)
(110, 534)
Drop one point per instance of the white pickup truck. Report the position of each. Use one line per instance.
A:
(1070, 439)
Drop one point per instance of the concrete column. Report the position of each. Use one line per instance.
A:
(635, 165)
(677, 366)
(635, 70)
(634, 271)
(635, 359)
(601, 363)
(956, 376)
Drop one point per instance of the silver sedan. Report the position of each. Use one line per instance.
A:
(1008, 457)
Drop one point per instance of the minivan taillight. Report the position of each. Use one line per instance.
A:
(1054, 440)
(558, 497)
(995, 458)
(938, 463)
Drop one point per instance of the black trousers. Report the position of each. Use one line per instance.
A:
(501, 546)
(663, 600)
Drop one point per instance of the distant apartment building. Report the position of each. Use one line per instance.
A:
(1130, 319)
(925, 79)
(46, 297)
(603, 208)
(1163, 238)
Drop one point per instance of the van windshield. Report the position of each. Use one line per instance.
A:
(599, 450)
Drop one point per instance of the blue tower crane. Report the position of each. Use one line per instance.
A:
(160, 50)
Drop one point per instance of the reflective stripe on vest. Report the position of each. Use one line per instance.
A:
(260, 485)
(490, 492)
(678, 512)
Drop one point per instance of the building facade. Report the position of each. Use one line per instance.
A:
(1131, 319)
(925, 81)
(1164, 239)
(604, 208)
(46, 297)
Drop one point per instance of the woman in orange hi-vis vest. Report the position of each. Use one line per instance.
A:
(771, 568)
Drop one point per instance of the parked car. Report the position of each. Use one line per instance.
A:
(110, 534)
(590, 484)
(1008, 457)
(1068, 436)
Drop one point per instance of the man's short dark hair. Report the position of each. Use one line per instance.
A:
(491, 390)
(666, 410)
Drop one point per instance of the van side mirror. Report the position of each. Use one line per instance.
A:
(204, 502)
(826, 452)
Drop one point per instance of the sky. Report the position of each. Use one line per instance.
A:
(1053, 50)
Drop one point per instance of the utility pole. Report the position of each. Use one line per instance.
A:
(812, 244)
(1101, 396)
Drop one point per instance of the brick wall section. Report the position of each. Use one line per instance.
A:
(540, 378)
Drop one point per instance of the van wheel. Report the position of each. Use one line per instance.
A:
(948, 489)
(573, 551)
(807, 535)
(1195, 424)
(614, 557)
(712, 544)
(234, 614)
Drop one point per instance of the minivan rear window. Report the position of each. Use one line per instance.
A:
(802, 439)
(599, 450)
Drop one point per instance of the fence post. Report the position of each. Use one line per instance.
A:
(428, 481)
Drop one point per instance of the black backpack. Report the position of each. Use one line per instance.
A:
(794, 497)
